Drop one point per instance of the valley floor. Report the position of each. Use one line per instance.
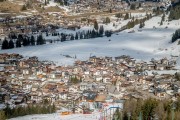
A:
(153, 41)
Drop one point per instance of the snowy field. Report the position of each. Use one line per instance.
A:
(57, 116)
(146, 44)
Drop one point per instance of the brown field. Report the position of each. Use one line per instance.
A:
(9, 7)
(102, 14)
(53, 9)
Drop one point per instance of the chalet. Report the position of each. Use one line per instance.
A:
(160, 93)
(106, 79)
(176, 87)
(63, 95)
(160, 67)
(151, 66)
(35, 98)
(98, 78)
(95, 59)
(89, 95)
(108, 59)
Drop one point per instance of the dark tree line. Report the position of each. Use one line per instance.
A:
(29, 110)
(40, 40)
(21, 41)
(86, 34)
(5, 44)
(149, 109)
(141, 23)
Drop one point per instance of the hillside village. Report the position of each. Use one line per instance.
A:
(72, 17)
(98, 80)
(88, 57)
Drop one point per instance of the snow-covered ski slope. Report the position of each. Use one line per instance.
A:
(152, 42)
(96, 115)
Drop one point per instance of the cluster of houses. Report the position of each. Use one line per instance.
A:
(85, 86)
(34, 21)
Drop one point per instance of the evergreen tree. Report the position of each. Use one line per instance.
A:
(32, 40)
(108, 33)
(148, 108)
(28, 41)
(110, 10)
(81, 35)
(101, 30)
(42, 108)
(136, 22)
(72, 37)
(25, 42)
(5, 44)
(130, 24)
(76, 36)
(93, 34)
(23, 8)
(18, 43)
(86, 35)
(125, 117)
(20, 38)
(147, 16)
(40, 40)
(107, 20)
(11, 44)
(176, 35)
(163, 17)
(96, 27)
(161, 22)
(126, 16)
(13, 36)
(63, 37)
(141, 25)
